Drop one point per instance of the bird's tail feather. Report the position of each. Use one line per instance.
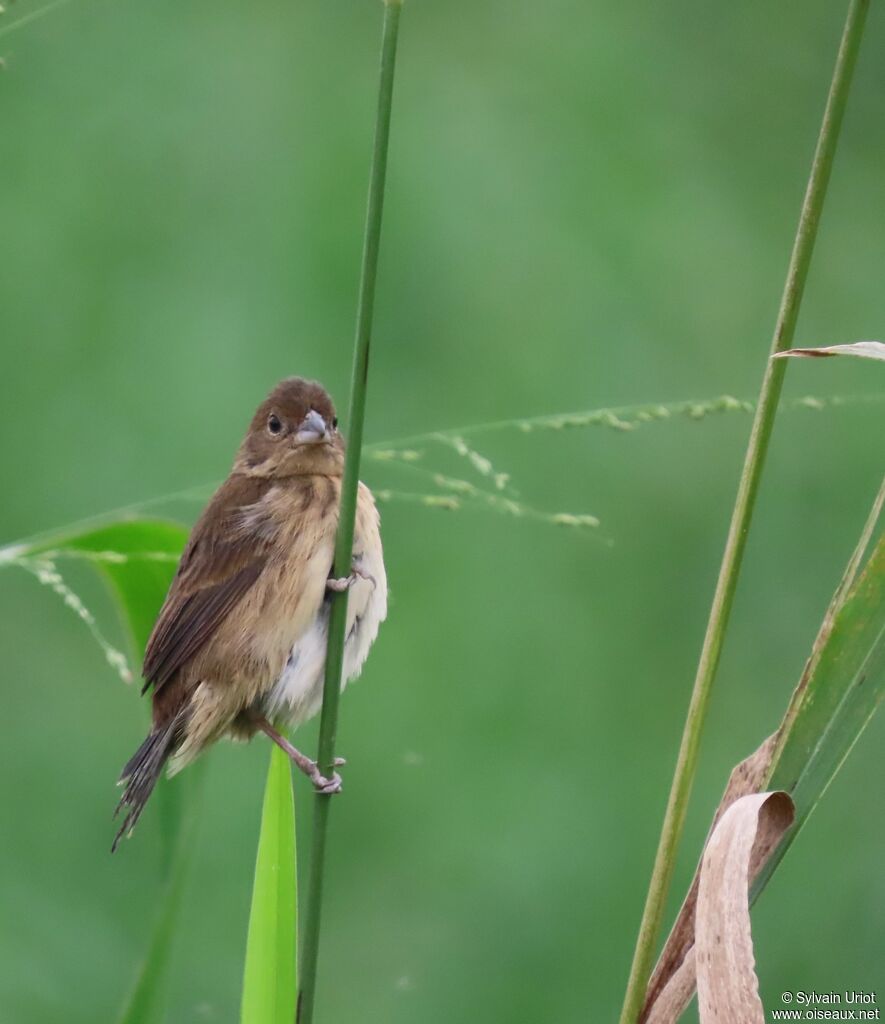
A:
(141, 773)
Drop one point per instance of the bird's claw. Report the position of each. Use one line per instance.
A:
(326, 786)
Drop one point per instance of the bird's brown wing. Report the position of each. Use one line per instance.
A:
(223, 558)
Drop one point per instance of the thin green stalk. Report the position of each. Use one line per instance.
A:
(344, 540)
(760, 436)
(26, 19)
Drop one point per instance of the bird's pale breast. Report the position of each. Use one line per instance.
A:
(296, 693)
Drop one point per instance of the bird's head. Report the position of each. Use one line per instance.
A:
(294, 432)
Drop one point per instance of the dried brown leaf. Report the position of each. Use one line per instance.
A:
(744, 839)
(711, 945)
(672, 983)
(865, 349)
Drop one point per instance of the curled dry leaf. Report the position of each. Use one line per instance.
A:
(672, 984)
(864, 349)
(713, 950)
(744, 839)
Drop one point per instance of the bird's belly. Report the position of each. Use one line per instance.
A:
(298, 693)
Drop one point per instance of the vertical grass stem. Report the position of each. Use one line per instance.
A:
(344, 540)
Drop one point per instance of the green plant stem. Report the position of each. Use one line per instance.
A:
(344, 540)
(26, 19)
(760, 436)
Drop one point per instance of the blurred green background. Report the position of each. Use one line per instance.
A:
(589, 205)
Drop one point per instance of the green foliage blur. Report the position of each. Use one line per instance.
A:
(588, 205)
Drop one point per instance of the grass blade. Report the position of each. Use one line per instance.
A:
(347, 511)
(842, 686)
(269, 978)
(151, 549)
(751, 475)
(137, 558)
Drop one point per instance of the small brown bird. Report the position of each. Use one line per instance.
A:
(240, 642)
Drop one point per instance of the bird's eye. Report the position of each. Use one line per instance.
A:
(334, 422)
(274, 424)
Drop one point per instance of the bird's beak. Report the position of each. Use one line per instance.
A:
(312, 429)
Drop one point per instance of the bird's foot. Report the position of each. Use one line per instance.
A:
(301, 761)
(331, 785)
(326, 786)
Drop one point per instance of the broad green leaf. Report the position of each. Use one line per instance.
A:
(269, 979)
(137, 558)
(843, 685)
